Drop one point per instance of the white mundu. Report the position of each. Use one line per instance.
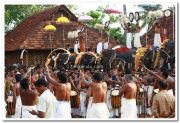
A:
(89, 106)
(25, 111)
(137, 42)
(18, 107)
(128, 40)
(83, 96)
(47, 103)
(98, 110)
(63, 109)
(99, 48)
(128, 108)
(157, 40)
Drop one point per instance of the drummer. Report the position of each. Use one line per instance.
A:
(63, 91)
(99, 89)
(114, 81)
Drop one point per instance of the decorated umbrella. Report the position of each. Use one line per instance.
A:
(111, 11)
(50, 28)
(62, 20)
(85, 19)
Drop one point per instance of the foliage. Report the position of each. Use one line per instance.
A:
(15, 14)
(146, 8)
(99, 15)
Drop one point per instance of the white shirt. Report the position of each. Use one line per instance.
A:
(47, 103)
(76, 46)
(99, 47)
(106, 45)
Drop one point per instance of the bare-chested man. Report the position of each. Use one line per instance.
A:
(128, 100)
(28, 98)
(63, 92)
(16, 92)
(99, 88)
(83, 93)
(163, 74)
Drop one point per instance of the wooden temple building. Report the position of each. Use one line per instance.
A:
(36, 43)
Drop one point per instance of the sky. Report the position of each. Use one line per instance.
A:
(130, 7)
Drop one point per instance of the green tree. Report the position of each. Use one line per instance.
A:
(145, 9)
(15, 14)
(99, 15)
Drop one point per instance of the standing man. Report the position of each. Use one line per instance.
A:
(100, 46)
(106, 42)
(17, 95)
(62, 91)
(99, 89)
(163, 74)
(128, 100)
(46, 105)
(163, 103)
(28, 98)
(76, 47)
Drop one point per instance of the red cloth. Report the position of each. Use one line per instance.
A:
(122, 49)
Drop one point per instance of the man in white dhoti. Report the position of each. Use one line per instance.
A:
(17, 96)
(46, 106)
(128, 100)
(99, 108)
(76, 47)
(100, 46)
(29, 99)
(63, 93)
(106, 42)
(157, 36)
(84, 94)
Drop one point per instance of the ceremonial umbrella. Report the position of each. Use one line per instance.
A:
(111, 11)
(85, 19)
(62, 20)
(50, 28)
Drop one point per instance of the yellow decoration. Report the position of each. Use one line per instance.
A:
(50, 28)
(62, 20)
(139, 53)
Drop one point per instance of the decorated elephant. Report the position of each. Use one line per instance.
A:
(118, 57)
(161, 57)
(86, 59)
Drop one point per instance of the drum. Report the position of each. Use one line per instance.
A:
(115, 99)
(75, 99)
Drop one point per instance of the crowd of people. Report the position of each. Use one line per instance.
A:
(41, 92)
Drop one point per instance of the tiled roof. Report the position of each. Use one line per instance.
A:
(21, 36)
